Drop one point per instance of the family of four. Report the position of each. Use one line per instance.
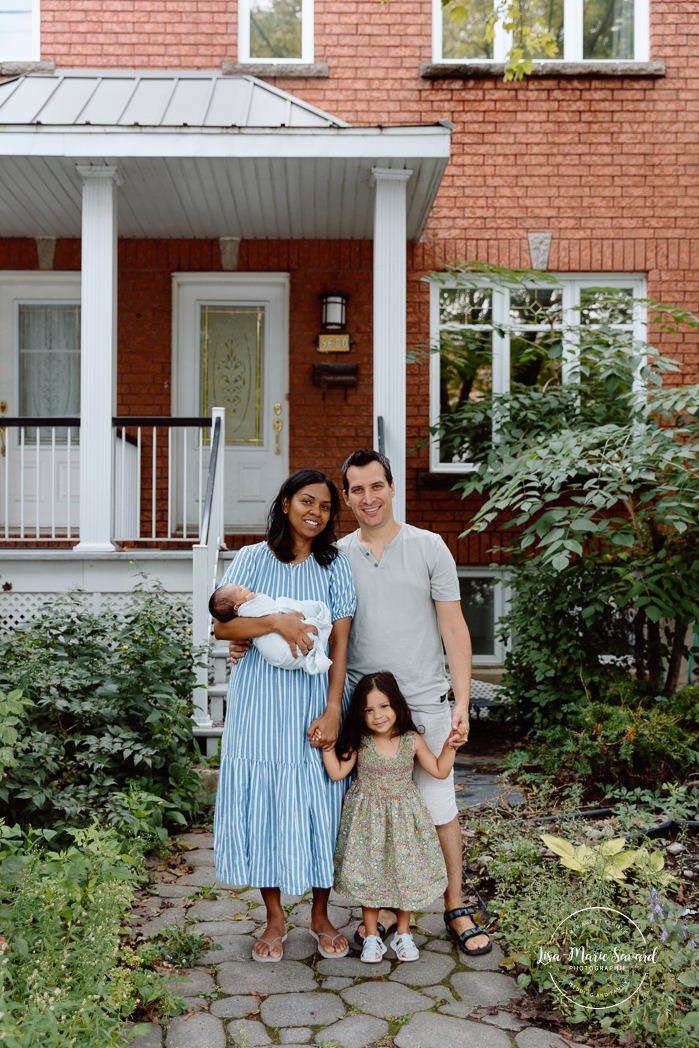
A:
(294, 736)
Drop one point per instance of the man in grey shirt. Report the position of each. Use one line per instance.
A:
(408, 602)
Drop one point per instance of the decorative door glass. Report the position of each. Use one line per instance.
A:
(232, 351)
(49, 362)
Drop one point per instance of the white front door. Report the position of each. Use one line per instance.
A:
(39, 378)
(231, 350)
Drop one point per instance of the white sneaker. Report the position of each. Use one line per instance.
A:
(373, 949)
(404, 947)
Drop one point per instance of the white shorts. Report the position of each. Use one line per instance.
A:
(438, 794)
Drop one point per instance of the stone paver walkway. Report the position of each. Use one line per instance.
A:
(443, 1000)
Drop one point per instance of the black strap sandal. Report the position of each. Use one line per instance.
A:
(383, 932)
(461, 938)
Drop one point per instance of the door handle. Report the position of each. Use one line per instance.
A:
(278, 425)
(3, 411)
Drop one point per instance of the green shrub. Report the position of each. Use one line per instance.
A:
(622, 737)
(533, 893)
(108, 732)
(61, 914)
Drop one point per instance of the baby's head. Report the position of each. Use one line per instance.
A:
(225, 601)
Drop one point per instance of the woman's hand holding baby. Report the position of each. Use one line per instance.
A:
(297, 633)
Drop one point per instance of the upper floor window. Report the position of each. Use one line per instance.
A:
(275, 30)
(19, 31)
(493, 338)
(584, 30)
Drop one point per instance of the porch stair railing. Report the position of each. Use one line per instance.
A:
(208, 700)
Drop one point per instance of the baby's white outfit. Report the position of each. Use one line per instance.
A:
(275, 649)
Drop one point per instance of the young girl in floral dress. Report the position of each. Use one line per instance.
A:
(387, 854)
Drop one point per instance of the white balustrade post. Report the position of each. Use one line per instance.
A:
(98, 329)
(217, 528)
(201, 591)
(390, 261)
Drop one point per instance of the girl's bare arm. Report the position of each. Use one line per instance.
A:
(336, 768)
(437, 766)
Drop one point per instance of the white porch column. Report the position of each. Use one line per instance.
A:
(389, 320)
(98, 355)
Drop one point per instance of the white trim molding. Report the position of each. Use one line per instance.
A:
(390, 280)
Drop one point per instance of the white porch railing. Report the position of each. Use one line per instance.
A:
(160, 474)
(39, 487)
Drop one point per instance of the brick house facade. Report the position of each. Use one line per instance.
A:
(601, 155)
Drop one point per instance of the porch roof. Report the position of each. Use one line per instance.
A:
(201, 155)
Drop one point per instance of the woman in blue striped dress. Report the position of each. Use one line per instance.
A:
(277, 812)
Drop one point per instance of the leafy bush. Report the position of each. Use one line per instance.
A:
(623, 737)
(533, 893)
(108, 732)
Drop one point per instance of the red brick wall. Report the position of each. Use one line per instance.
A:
(608, 165)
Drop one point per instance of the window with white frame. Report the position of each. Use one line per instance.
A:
(275, 31)
(19, 31)
(483, 600)
(488, 337)
(584, 30)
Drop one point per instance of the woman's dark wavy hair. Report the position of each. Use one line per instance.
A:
(278, 535)
(354, 725)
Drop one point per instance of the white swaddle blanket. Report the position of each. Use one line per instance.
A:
(275, 649)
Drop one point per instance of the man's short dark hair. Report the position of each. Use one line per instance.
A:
(362, 457)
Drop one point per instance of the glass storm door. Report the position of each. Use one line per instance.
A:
(39, 378)
(232, 352)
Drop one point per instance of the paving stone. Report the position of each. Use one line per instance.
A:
(171, 891)
(244, 1033)
(234, 1007)
(342, 900)
(190, 982)
(199, 857)
(299, 946)
(439, 1031)
(431, 924)
(385, 998)
(173, 916)
(504, 1021)
(222, 929)
(533, 1037)
(287, 977)
(301, 1009)
(352, 968)
(429, 969)
(332, 982)
(232, 948)
(300, 915)
(481, 990)
(356, 1031)
(152, 1038)
(439, 993)
(295, 1035)
(217, 909)
(205, 877)
(440, 946)
(196, 1031)
(196, 840)
(251, 895)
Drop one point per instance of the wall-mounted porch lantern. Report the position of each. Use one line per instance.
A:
(334, 339)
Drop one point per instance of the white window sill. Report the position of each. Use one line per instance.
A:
(482, 70)
(270, 70)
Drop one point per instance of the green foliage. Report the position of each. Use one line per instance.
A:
(61, 914)
(533, 36)
(178, 947)
(11, 710)
(533, 894)
(617, 739)
(106, 729)
(596, 477)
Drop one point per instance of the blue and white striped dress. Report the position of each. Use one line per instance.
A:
(277, 813)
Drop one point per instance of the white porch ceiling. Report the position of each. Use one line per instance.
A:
(201, 155)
